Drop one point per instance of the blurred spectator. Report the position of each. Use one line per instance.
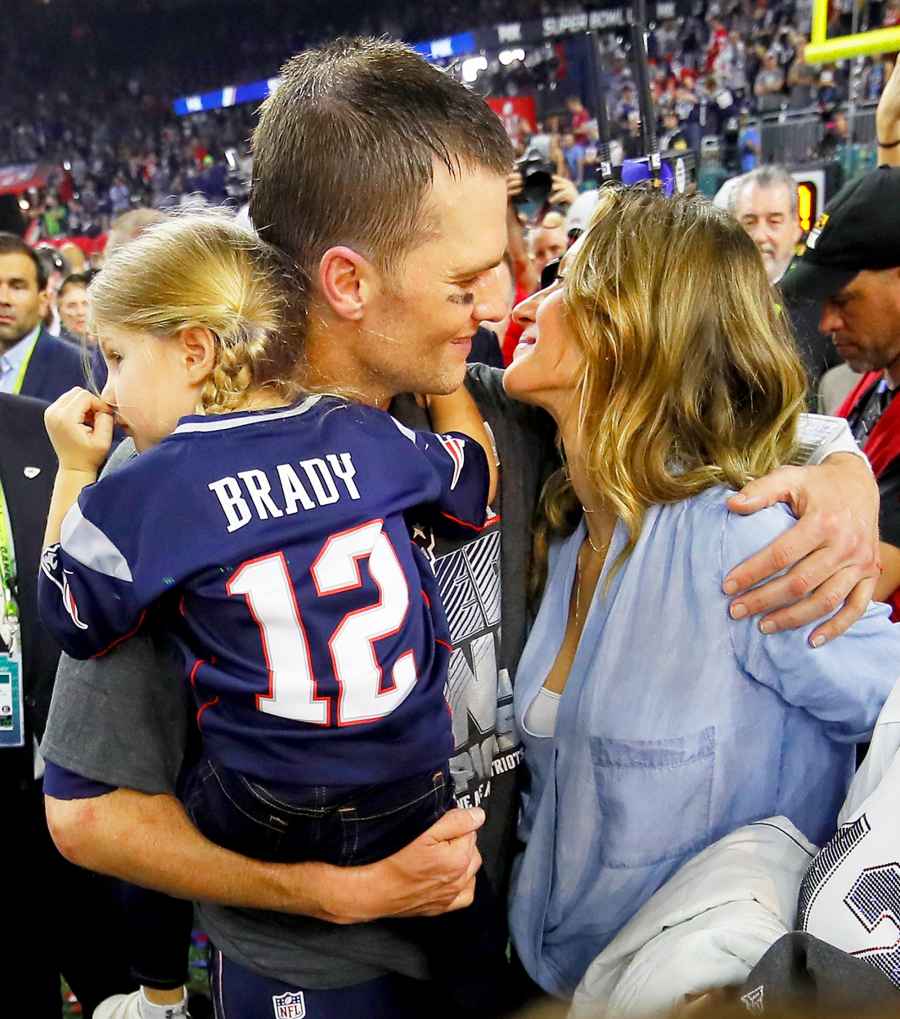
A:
(548, 241)
(72, 304)
(130, 225)
(769, 83)
(33, 362)
(764, 202)
(801, 79)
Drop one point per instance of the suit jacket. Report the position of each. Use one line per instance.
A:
(24, 444)
(54, 368)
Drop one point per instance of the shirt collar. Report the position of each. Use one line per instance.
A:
(12, 360)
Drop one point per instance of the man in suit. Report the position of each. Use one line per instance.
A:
(32, 362)
(53, 908)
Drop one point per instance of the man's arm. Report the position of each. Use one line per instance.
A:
(150, 841)
(887, 120)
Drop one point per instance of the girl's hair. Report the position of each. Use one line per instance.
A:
(691, 378)
(204, 269)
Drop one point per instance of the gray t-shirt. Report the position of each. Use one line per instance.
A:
(123, 719)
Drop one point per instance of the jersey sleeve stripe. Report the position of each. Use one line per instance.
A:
(250, 419)
(124, 637)
(87, 544)
(464, 523)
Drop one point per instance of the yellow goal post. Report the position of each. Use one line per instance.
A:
(822, 50)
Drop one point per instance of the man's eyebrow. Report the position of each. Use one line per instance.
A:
(467, 274)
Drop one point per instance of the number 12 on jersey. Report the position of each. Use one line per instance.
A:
(363, 696)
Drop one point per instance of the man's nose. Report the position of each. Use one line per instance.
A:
(758, 233)
(830, 320)
(491, 302)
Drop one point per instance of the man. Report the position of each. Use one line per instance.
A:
(59, 916)
(852, 264)
(72, 303)
(397, 255)
(32, 362)
(548, 241)
(764, 202)
(769, 84)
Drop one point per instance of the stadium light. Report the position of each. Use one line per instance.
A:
(511, 56)
(471, 67)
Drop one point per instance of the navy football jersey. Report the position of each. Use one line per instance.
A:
(277, 544)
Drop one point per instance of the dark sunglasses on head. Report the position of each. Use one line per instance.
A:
(549, 274)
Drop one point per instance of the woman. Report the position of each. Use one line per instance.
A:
(653, 725)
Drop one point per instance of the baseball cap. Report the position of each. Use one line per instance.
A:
(859, 229)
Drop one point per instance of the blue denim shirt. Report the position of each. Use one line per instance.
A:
(677, 726)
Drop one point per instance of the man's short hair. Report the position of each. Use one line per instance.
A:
(10, 244)
(74, 279)
(344, 151)
(553, 221)
(130, 225)
(770, 176)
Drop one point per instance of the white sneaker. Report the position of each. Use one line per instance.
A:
(128, 1006)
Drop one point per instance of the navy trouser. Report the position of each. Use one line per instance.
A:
(348, 826)
(238, 993)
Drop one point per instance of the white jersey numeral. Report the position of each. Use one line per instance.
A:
(266, 585)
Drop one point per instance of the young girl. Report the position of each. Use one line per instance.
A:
(271, 538)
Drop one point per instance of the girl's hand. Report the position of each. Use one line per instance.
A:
(80, 426)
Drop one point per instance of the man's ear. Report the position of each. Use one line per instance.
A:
(198, 348)
(347, 281)
(43, 303)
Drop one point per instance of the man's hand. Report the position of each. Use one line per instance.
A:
(887, 119)
(80, 426)
(514, 185)
(831, 554)
(432, 875)
(564, 191)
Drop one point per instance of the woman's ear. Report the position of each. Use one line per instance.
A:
(198, 350)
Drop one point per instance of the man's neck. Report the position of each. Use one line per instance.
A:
(330, 368)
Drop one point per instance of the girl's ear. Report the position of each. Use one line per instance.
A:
(198, 350)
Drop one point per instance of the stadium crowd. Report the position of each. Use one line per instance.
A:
(106, 127)
(619, 729)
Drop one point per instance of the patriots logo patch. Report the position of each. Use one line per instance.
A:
(49, 566)
(455, 449)
(291, 1005)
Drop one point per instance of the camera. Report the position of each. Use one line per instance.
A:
(537, 179)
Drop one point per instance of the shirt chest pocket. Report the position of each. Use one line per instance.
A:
(654, 796)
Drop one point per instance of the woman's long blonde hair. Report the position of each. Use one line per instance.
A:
(204, 269)
(691, 378)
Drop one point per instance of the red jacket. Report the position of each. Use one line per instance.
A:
(882, 445)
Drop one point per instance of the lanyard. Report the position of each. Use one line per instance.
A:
(23, 367)
(12, 710)
(8, 607)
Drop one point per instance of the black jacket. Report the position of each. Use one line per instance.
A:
(55, 367)
(24, 445)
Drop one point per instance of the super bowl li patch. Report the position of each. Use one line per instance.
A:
(290, 1005)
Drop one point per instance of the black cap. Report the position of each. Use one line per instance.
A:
(859, 229)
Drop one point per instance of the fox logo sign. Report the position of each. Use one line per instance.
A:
(290, 1005)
